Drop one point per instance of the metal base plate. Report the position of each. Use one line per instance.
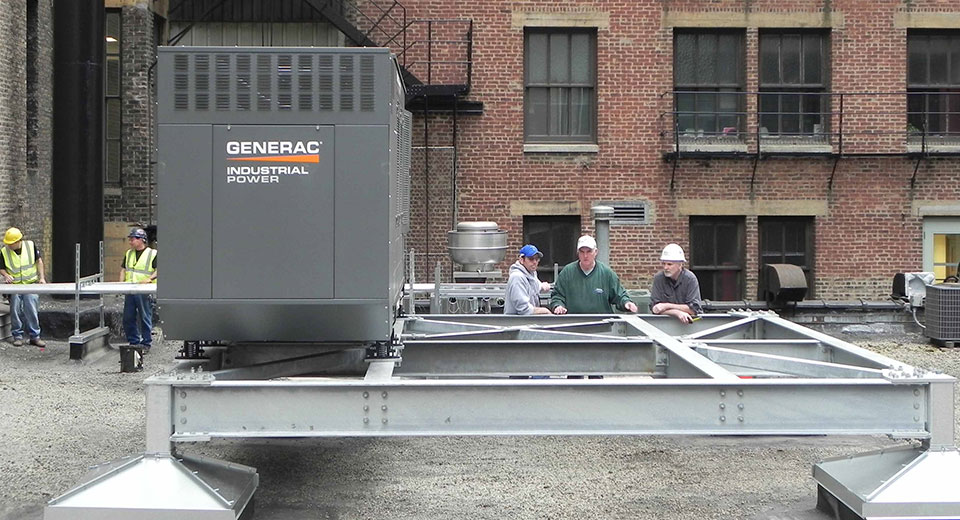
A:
(898, 483)
(158, 487)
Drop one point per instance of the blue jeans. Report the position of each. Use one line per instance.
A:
(23, 309)
(138, 318)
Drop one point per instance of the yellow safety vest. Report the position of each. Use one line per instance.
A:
(137, 271)
(21, 266)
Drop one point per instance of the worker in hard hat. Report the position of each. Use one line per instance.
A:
(22, 263)
(139, 266)
(586, 286)
(523, 286)
(675, 291)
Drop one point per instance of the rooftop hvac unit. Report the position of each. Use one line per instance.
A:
(943, 312)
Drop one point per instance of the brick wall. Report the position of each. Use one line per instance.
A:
(866, 224)
(133, 200)
(39, 123)
(25, 126)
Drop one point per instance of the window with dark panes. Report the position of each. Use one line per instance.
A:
(794, 76)
(113, 116)
(933, 84)
(717, 256)
(560, 85)
(555, 236)
(786, 240)
(708, 68)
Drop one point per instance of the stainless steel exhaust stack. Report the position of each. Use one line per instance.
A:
(602, 216)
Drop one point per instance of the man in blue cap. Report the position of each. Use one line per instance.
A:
(523, 287)
(139, 266)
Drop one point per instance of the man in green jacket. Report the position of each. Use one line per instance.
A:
(587, 286)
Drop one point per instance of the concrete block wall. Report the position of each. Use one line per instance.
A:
(867, 226)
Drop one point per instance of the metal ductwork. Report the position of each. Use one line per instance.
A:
(784, 283)
(77, 134)
(478, 247)
(602, 216)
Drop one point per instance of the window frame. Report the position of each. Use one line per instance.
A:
(569, 225)
(933, 226)
(710, 275)
(568, 86)
(699, 89)
(763, 248)
(947, 93)
(113, 144)
(801, 90)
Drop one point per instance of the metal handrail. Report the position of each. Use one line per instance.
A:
(833, 122)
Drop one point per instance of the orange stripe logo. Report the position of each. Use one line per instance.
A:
(312, 158)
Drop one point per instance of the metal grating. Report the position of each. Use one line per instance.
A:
(241, 82)
(628, 212)
(942, 313)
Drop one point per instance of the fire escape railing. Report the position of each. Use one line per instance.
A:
(436, 55)
(809, 123)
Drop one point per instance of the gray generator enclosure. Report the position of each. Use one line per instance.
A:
(284, 193)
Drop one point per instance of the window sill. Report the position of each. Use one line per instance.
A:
(561, 148)
(736, 147)
(933, 147)
(795, 148)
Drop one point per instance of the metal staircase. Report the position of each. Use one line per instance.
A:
(435, 55)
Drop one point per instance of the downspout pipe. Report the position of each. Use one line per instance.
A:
(602, 215)
(78, 146)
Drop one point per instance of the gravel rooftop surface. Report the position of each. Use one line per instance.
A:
(58, 416)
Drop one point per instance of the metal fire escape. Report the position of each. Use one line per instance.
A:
(435, 56)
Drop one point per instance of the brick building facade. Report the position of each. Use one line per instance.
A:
(691, 157)
(26, 86)
(863, 213)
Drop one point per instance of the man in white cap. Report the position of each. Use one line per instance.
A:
(586, 286)
(523, 286)
(675, 291)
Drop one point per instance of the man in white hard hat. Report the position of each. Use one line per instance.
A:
(675, 291)
(586, 286)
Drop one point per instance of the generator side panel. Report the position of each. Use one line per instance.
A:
(185, 214)
(362, 223)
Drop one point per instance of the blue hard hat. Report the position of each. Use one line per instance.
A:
(137, 233)
(530, 251)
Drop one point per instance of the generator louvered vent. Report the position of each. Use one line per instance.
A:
(942, 313)
(367, 90)
(628, 212)
(346, 83)
(403, 167)
(245, 82)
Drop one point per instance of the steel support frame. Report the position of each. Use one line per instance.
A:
(460, 375)
(734, 374)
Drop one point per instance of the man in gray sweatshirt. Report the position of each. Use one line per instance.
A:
(523, 287)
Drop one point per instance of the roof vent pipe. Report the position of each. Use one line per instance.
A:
(602, 216)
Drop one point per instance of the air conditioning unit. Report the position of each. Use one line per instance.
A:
(912, 287)
(942, 315)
